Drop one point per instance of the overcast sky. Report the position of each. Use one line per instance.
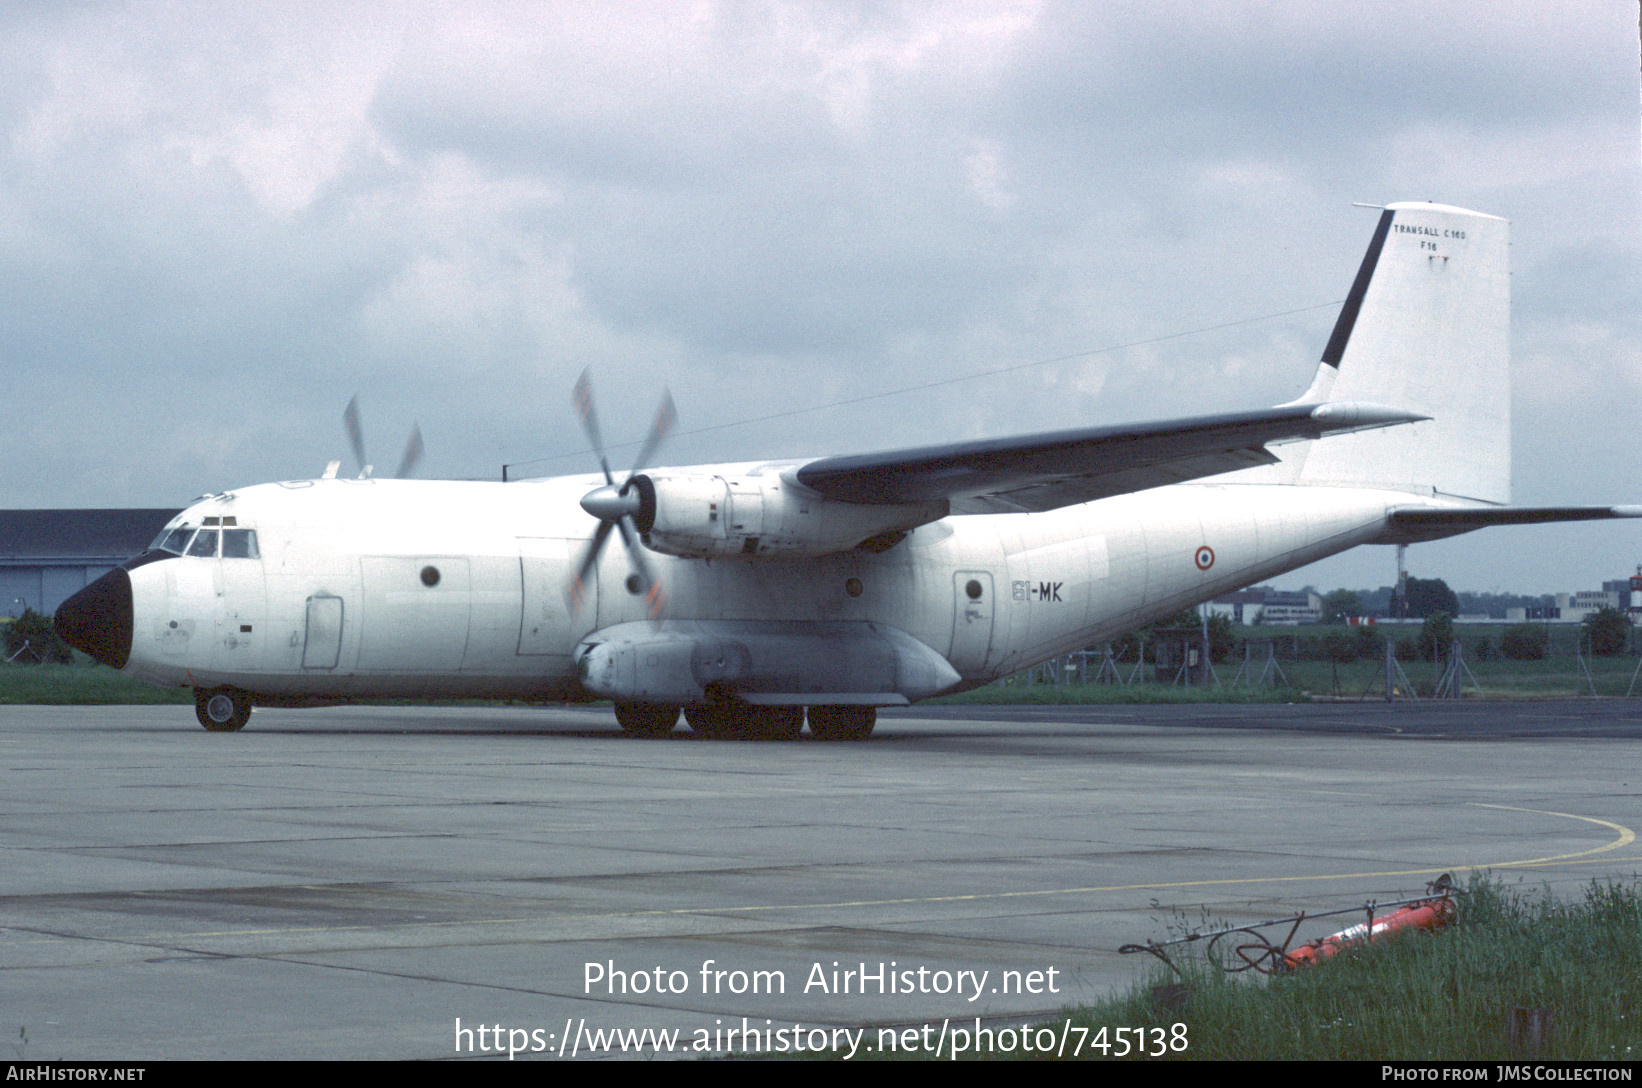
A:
(220, 221)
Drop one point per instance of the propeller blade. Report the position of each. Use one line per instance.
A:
(575, 593)
(666, 416)
(413, 453)
(615, 506)
(653, 595)
(583, 399)
(356, 434)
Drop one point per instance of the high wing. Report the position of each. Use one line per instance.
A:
(1033, 473)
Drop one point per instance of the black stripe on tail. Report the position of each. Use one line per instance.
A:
(1359, 288)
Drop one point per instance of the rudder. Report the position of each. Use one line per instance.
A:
(1426, 328)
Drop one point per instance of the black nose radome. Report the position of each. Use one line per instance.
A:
(98, 619)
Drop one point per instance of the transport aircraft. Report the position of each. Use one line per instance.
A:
(748, 594)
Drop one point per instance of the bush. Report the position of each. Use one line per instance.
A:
(1339, 648)
(1524, 642)
(1221, 640)
(1608, 630)
(43, 646)
(1436, 636)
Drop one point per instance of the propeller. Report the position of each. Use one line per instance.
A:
(616, 505)
(356, 438)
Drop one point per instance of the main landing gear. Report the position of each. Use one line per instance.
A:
(222, 710)
(646, 719)
(842, 722)
(741, 721)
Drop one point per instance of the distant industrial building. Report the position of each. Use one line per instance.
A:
(1624, 594)
(1266, 605)
(46, 556)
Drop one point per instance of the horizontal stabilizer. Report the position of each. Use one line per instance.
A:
(1416, 524)
(1046, 471)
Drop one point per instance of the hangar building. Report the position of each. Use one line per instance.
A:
(48, 555)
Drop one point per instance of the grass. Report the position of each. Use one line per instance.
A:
(1017, 693)
(1556, 677)
(1422, 996)
(81, 683)
(1410, 997)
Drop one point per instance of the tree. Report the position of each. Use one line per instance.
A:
(1608, 630)
(1426, 596)
(1524, 642)
(1340, 604)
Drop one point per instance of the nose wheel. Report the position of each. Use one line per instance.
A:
(222, 710)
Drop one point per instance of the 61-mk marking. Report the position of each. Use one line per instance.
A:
(1043, 591)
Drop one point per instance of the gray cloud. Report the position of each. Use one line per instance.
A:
(218, 224)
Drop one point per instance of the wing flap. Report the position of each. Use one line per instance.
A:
(1053, 493)
(1061, 468)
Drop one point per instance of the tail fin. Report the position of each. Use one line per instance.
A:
(1426, 328)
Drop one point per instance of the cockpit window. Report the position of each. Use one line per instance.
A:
(174, 541)
(240, 544)
(205, 543)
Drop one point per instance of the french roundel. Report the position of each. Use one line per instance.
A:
(1205, 557)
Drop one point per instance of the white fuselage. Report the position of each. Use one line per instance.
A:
(337, 605)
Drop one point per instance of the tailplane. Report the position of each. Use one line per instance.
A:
(1426, 329)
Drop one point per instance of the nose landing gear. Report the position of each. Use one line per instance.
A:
(222, 710)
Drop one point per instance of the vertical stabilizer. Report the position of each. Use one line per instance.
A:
(1426, 328)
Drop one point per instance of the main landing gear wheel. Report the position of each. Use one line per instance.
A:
(646, 719)
(714, 722)
(773, 722)
(737, 721)
(842, 722)
(222, 710)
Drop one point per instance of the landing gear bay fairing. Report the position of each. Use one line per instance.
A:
(750, 597)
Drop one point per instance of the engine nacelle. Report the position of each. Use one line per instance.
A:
(703, 516)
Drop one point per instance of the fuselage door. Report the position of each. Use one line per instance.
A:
(323, 642)
(971, 621)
